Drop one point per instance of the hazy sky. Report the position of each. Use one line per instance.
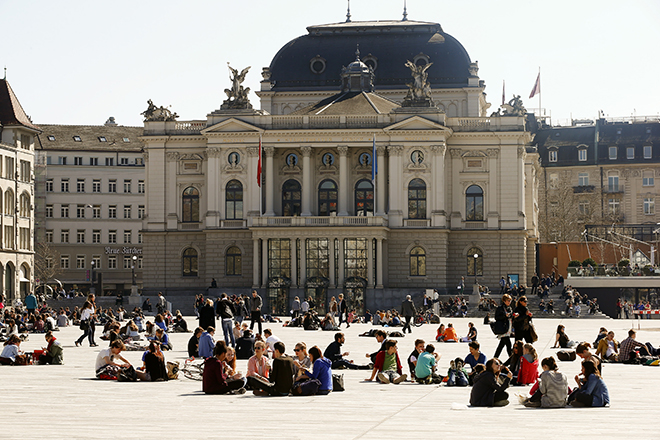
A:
(78, 62)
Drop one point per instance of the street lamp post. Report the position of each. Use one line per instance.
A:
(92, 288)
(475, 267)
(133, 270)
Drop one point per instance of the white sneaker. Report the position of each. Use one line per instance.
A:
(400, 379)
(383, 379)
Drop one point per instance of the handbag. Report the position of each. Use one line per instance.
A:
(500, 327)
(173, 370)
(84, 325)
(532, 333)
(338, 382)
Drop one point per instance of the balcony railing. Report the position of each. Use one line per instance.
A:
(318, 221)
(613, 189)
(583, 189)
(416, 223)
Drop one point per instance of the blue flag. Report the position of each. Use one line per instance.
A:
(374, 162)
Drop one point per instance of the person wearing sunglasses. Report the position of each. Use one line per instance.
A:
(489, 386)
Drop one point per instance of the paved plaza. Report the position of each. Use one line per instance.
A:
(53, 402)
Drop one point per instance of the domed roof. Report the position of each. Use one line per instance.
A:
(315, 61)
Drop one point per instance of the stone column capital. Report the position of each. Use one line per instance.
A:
(395, 150)
(493, 152)
(455, 152)
(252, 151)
(172, 156)
(380, 151)
(270, 151)
(343, 150)
(306, 151)
(214, 152)
(440, 149)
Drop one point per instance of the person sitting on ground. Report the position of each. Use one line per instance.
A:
(582, 350)
(381, 337)
(245, 345)
(271, 340)
(602, 333)
(425, 366)
(387, 365)
(311, 321)
(328, 323)
(321, 373)
(592, 391)
(150, 330)
(472, 333)
(412, 358)
(153, 364)
(513, 363)
(488, 388)
(562, 340)
(206, 343)
(629, 344)
(53, 353)
(193, 342)
(529, 366)
(12, 351)
(214, 379)
(236, 330)
(163, 339)
(608, 348)
(301, 360)
(551, 389)
(281, 374)
(106, 364)
(258, 367)
(229, 363)
(450, 334)
(475, 357)
(179, 324)
(159, 322)
(440, 335)
(334, 354)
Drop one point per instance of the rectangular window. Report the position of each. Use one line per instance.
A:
(139, 262)
(279, 257)
(96, 211)
(64, 211)
(139, 161)
(612, 153)
(64, 262)
(614, 206)
(49, 211)
(127, 237)
(24, 235)
(112, 211)
(96, 261)
(80, 185)
(583, 208)
(112, 237)
(61, 160)
(112, 186)
(49, 185)
(355, 257)
(80, 262)
(96, 186)
(140, 238)
(112, 262)
(49, 262)
(64, 187)
(109, 161)
(96, 236)
(49, 236)
(141, 186)
(630, 152)
(552, 156)
(582, 155)
(648, 152)
(77, 160)
(26, 171)
(127, 186)
(94, 161)
(127, 211)
(80, 211)
(10, 169)
(64, 236)
(583, 179)
(613, 183)
(649, 206)
(141, 211)
(648, 179)
(318, 257)
(127, 262)
(123, 160)
(9, 237)
(80, 236)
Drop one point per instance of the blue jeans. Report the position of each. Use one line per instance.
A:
(228, 331)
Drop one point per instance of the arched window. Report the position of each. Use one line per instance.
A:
(364, 197)
(417, 199)
(234, 200)
(189, 263)
(190, 205)
(233, 261)
(25, 205)
(417, 262)
(291, 198)
(9, 202)
(327, 197)
(474, 204)
(475, 265)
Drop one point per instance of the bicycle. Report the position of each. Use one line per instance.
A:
(423, 317)
(193, 370)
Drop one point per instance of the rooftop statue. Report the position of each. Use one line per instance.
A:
(237, 96)
(514, 107)
(153, 113)
(419, 91)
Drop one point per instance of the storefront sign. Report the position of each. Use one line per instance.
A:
(123, 250)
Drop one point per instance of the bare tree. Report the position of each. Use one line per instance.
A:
(46, 263)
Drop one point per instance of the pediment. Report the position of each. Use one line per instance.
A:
(232, 125)
(415, 123)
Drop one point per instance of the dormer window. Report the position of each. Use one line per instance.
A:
(552, 156)
(127, 140)
(51, 138)
(102, 139)
(77, 139)
(582, 153)
(317, 65)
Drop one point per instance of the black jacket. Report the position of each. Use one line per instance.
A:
(192, 346)
(206, 317)
(226, 309)
(244, 347)
(484, 387)
(408, 308)
(333, 352)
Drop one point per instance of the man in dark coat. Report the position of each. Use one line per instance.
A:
(255, 310)
(207, 315)
(408, 311)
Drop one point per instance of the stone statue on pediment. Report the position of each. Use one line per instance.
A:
(237, 96)
(419, 91)
(514, 107)
(153, 113)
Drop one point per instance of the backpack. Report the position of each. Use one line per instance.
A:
(566, 356)
(173, 370)
(396, 335)
(338, 382)
(127, 374)
(306, 388)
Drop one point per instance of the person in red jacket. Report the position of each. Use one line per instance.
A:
(387, 365)
(214, 380)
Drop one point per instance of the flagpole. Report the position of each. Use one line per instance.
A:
(374, 174)
(260, 179)
(539, 91)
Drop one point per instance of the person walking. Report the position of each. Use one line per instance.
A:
(255, 310)
(343, 311)
(408, 311)
(227, 317)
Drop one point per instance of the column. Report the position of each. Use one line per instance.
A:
(458, 198)
(306, 202)
(370, 262)
(379, 263)
(380, 182)
(340, 281)
(251, 188)
(213, 184)
(255, 263)
(492, 214)
(343, 182)
(331, 264)
(303, 261)
(172, 193)
(264, 262)
(522, 155)
(395, 213)
(270, 181)
(292, 253)
(438, 209)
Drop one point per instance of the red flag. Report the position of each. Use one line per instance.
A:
(537, 87)
(259, 164)
(503, 95)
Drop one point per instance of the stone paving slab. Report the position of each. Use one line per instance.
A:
(65, 402)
